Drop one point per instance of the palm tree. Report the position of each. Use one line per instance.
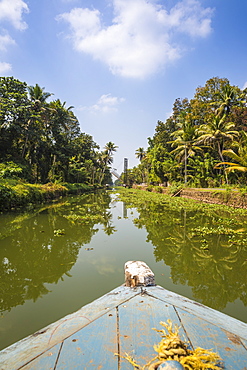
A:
(63, 128)
(216, 133)
(185, 140)
(140, 154)
(106, 157)
(37, 108)
(61, 113)
(110, 148)
(240, 158)
(38, 96)
(226, 98)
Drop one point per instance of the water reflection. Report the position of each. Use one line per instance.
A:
(205, 249)
(42, 247)
(75, 251)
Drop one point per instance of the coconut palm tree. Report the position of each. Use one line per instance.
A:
(106, 157)
(185, 140)
(228, 97)
(239, 158)
(37, 93)
(217, 133)
(140, 154)
(37, 110)
(63, 129)
(110, 148)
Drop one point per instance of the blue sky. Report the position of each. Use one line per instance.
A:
(122, 63)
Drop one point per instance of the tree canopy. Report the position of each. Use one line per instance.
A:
(44, 138)
(202, 142)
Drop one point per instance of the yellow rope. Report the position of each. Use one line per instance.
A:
(171, 347)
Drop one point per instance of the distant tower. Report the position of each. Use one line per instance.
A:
(125, 170)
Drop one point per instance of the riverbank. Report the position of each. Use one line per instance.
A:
(230, 197)
(15, 194)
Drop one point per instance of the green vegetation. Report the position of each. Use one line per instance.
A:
(17, 194)
(41, 143)
(202, 144)
(42, 250)
(204, 244)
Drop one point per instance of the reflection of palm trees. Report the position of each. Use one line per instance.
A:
(219, 276)
(35, 291)
(211, 264)
(125, 211)
(35, 257)
(108, 228)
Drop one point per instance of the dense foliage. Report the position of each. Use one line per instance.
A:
(202, 143)
(41, 141)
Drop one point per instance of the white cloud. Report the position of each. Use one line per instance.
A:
(12, 10)
(84, 22)
(5, 40)
(5, 67)
(140, 39)
(106, 103)
(189, 17)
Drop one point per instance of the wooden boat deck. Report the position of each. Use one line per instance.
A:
(121, 322)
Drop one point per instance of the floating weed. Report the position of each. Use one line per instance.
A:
(86, 219)
(219, 230)
(135, 198)
(59, 232)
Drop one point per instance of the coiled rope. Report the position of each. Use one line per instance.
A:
(171, 347)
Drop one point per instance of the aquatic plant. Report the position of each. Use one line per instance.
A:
(59, 232)
(196, 240)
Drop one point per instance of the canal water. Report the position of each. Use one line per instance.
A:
(58, 257)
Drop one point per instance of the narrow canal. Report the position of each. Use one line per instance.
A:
(61, 256)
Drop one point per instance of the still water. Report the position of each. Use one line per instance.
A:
(59, 257)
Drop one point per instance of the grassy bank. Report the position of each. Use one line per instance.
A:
(16, 193)
(230, 196)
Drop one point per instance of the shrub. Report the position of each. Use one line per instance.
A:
(15, 193)
(158, 189)
(53, 190)
(77, 188)
(174, 189)
(6, 197)
(10, 170)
